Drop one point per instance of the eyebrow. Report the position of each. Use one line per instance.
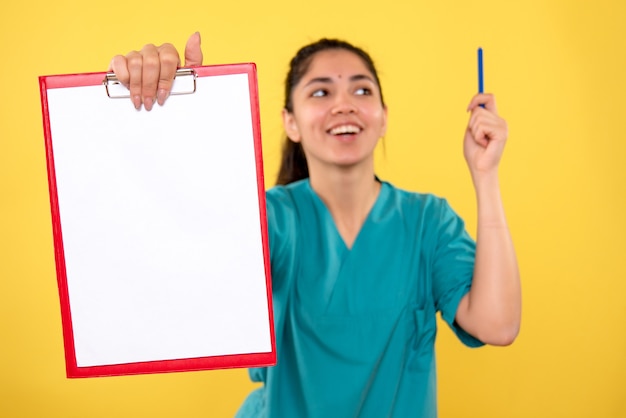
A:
(353, 78)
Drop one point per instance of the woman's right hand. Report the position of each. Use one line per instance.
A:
(149, 73)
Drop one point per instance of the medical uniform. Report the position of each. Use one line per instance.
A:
(355, 327)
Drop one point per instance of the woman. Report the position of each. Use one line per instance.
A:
(359, 267)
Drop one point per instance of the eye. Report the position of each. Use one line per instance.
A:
(319, 93)
(363, 91)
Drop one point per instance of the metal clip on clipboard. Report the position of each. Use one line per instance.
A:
(184, 83)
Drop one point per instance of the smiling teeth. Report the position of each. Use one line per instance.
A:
(345, 129)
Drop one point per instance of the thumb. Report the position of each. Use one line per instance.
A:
(193, 51)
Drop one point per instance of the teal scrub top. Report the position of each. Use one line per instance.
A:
(355, 328)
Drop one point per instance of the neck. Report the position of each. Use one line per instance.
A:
(349, 195)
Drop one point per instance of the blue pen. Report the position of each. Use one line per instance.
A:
(481, 81)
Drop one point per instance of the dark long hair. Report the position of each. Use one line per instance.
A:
(293, 165)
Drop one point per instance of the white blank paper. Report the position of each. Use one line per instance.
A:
(160, 223)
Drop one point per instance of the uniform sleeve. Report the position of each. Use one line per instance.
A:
(453, 268)
(281, 226)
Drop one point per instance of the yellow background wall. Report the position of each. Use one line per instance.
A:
(559, 71)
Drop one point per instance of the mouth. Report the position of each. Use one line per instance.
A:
(345, 130)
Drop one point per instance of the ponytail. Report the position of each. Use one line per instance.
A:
(293, 165)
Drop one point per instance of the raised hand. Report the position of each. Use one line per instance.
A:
(149, 73)
(485, 136)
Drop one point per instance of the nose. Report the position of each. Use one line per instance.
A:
(344, 104)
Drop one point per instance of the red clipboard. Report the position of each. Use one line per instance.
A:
(159, 224)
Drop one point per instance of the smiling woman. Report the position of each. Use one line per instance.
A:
(294, 165)
(338, 115)
(359, 267)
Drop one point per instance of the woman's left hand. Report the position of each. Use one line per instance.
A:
(485, 136)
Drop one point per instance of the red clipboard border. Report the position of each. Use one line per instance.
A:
(161, 366)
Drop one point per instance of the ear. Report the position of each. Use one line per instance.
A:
(383, 128)
(290, 126)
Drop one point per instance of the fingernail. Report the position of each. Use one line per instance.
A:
(136, 102)
(148, 102)
(161, 96)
